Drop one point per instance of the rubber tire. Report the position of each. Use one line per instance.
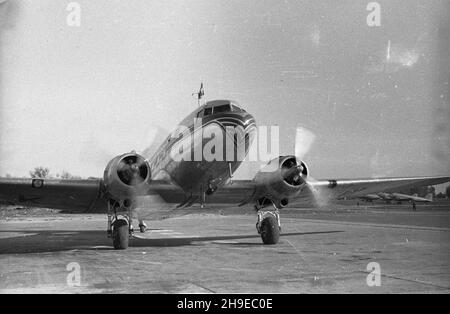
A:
(270, 232)
(120, 234)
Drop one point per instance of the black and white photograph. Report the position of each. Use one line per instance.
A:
(224, 152)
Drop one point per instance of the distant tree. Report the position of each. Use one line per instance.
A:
(432, 190)
(440, 195)
(67, 175)
(8, 175)
(413, 190)
(422, 191)
(447, 191)
(40, 172)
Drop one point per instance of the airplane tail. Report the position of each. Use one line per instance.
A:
(429, 197)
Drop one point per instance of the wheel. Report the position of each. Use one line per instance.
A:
(120, 234)
(142, 228)
(270, 232)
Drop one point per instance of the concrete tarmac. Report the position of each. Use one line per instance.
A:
(320, 251)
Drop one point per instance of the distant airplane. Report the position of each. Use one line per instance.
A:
(142, 184)
(396, 197)
(369, 197)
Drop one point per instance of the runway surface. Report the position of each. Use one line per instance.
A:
(320, 251)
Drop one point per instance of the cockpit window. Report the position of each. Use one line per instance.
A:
(222, 108)
(204, 112)
(236, 108)
(208, 111)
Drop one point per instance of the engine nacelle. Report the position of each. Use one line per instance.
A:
(281, 179)
(126, 176)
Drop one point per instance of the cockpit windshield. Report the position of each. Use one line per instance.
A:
(222, 108)
(237, 108)
(217, 107)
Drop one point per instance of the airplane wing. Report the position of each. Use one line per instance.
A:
(329, 190)
(404, 197)
(73, 195)
(87, 195)
(241, 191)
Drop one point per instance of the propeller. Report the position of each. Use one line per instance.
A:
(304, 139)
(303, 142)
(132, 170)
(100, 148)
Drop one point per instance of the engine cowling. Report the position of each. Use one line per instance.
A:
(281, 179)
(126, 176)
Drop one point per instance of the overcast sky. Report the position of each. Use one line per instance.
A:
(375, 97)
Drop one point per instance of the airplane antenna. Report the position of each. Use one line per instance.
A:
(200, 94)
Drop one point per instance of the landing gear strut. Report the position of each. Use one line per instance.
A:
(269, 225)
(120, 227)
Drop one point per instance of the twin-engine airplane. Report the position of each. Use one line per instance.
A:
(396, 197)
(180, 177)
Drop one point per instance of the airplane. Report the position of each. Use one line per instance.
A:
(369, 198)
(140, 183)
(399, 198)
(396, 197)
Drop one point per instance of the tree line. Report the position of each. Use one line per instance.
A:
(44, 172)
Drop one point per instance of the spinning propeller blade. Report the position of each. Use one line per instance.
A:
(304, 139)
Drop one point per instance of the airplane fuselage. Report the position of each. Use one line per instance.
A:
(193, 170)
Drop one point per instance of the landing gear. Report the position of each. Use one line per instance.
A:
(120, 234)
(120, 227)
(269, 226)
(142, 226)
